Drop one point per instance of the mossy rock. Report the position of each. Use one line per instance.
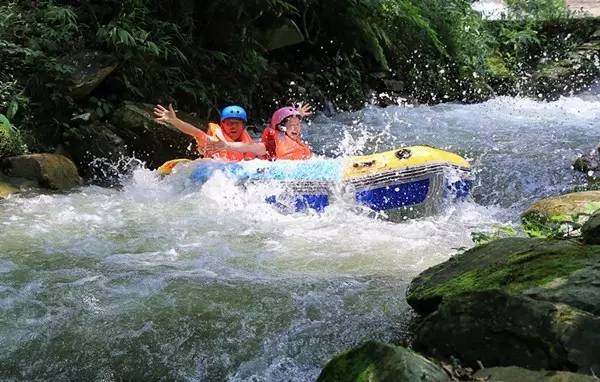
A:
(48, 170)
(560, 216)
(378, 362)
(10, 141)
(519, 374)
(513, 264)
(7, 189)
(497, 328)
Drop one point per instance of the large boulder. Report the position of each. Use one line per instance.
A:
(151, 141)
(99, 153)
(48, 170)
(517, 265)
(560, 215)
(378, 362)
(519, 374)
(495, 328)
(91, 68)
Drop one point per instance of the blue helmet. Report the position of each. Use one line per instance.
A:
(234, 112)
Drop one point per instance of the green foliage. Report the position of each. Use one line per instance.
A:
(536, 9)
(519, 42)
(497, 231)
(10, 139)
(558, 227)
(32, 38)
(137, 34)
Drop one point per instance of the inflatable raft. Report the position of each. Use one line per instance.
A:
(411, 181)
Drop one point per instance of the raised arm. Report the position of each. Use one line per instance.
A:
(168, 117)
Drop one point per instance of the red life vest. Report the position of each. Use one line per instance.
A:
(281, 146)
(228, 155)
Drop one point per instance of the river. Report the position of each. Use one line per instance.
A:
(166, 280)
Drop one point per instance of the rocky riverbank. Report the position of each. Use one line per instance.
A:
(513, 309)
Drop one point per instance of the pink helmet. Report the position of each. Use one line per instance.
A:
(282, 114)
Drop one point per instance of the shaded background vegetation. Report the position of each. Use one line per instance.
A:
(202, 55)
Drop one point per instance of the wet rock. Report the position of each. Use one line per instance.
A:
(97, 150)
(91, 69)
(587, 163)
(515, 265)
(519, 374)
(10, 140)
(150, 141)
(48, 170)
(496, 328)
(7, 189)
(375, 361)
(561, 215)
(591, 229)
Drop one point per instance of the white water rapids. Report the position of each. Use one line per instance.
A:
(163, 279)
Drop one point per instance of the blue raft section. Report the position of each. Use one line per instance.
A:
(309, 182)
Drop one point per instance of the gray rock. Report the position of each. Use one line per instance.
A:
(581, 290)
(91, 69)
(591, 230)
(499, 329)
(98, 151)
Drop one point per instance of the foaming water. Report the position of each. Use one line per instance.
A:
(520, 149)
(165, 279)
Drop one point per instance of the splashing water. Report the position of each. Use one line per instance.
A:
(165, 279)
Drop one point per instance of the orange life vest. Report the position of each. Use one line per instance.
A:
(224, 154)
(285, 147)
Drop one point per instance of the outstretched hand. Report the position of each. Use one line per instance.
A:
(215, 145)
(304, 109)
(164, 116)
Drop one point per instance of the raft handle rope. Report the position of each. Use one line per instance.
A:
(364, 164)
(403, 154)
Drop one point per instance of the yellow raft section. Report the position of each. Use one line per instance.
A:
(401, 159)
(398, 159)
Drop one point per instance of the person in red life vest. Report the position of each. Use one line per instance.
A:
(232, 128)
(281, 140)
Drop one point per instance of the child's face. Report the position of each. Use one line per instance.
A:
(233, 128)
(293, 127)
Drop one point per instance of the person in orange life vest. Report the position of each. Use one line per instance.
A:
(232, 128)
(282, 139)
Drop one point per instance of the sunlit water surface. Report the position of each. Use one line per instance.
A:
(163, 279)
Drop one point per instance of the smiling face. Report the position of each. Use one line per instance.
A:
(293, 127)
(233, 128)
